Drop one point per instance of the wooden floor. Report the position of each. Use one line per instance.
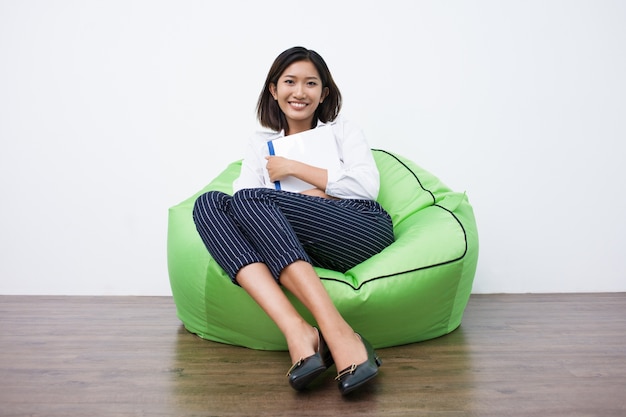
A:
(514, 355)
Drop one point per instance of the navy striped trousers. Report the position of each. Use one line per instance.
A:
(278, 228)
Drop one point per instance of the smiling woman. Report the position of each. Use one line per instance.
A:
(266, 238)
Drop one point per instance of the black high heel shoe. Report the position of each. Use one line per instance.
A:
(354, 376)
(303, 372)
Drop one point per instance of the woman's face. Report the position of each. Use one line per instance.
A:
(299, 92)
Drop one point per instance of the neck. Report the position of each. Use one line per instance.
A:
(294, 128)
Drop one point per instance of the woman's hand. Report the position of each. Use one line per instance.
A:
(316, 192)
(278, 167)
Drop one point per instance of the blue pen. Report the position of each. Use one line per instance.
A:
(270, 146)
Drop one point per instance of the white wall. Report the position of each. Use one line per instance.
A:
(113, 111)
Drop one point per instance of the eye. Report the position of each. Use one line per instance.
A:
(288, 81)
(312, 83)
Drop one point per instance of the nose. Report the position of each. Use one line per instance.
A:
(299, 91)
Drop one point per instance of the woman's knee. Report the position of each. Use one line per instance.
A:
(250, 196)
(209, 202)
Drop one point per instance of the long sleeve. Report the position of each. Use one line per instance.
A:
(358, 177)
(253, 164)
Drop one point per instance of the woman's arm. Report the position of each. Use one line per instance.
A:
(279, 168)
(358, 176)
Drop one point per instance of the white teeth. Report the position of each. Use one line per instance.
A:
(299, 105)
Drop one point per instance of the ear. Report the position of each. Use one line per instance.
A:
(325, 94)
(272, 87)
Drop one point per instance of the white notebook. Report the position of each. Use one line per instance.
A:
(316, 147)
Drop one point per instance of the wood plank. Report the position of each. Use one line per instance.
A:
(514, 355)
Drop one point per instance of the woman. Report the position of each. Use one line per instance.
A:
(266, 238)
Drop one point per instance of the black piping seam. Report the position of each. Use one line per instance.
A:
(415, 269)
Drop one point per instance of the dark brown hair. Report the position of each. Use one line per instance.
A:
(269, 113)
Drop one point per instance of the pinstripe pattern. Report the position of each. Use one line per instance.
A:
(278, 228)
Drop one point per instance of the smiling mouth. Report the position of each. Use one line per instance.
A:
(298, 105)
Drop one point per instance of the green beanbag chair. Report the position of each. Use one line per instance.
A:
(416, 289)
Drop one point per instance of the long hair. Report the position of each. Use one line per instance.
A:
(269, 113)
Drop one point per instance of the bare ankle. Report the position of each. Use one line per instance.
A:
(348, 350)
(302, 342)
